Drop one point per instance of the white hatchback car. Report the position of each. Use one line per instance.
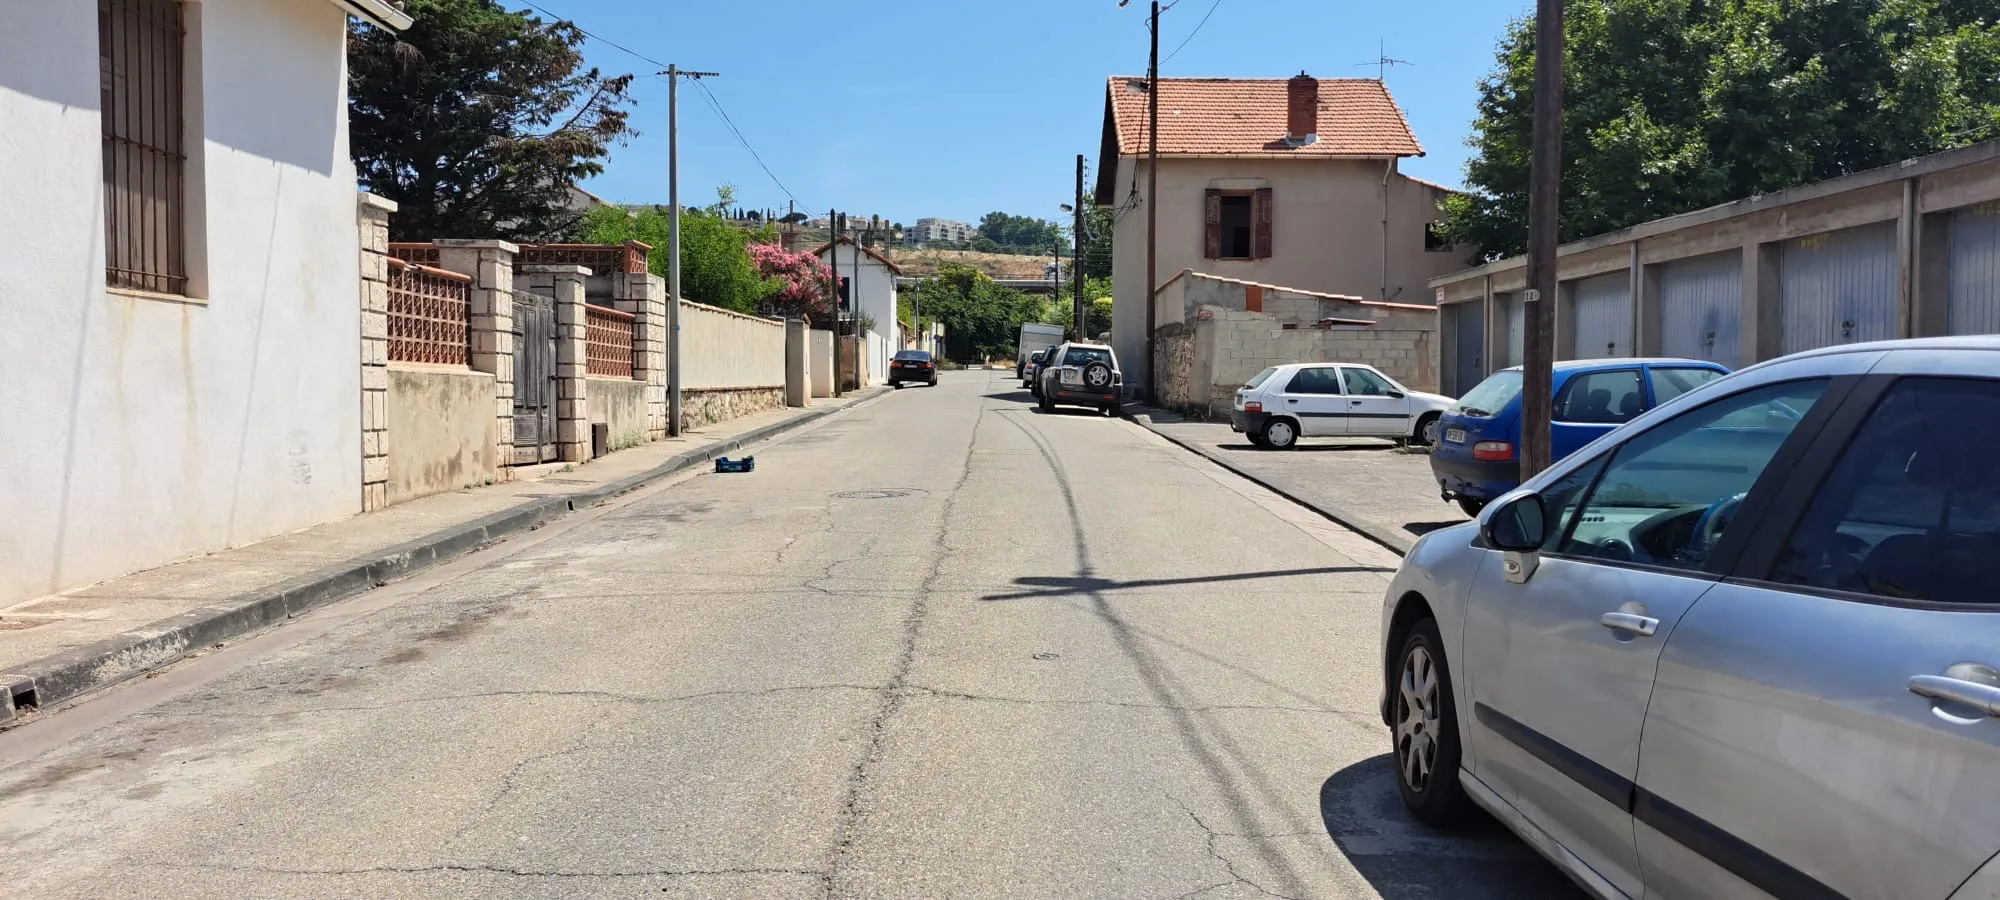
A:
(1285, 403)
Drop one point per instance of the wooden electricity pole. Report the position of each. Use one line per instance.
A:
(1544, 202)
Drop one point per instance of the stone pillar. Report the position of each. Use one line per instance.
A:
(645, 297)
(373, 220)
(1763, 314)
(798, 364)
(490, 264)
(1933, 277)
(566, 285)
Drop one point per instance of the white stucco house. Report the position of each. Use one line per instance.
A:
(871, 280)
(1288, 182)
(178, 212)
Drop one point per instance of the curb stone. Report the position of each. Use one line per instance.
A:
(1389, 540)
(65, 676)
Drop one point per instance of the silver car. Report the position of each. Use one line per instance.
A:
(1747, 645)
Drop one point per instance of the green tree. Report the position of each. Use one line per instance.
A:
(1017, 234)
(982, 319)
(478, 121)
(715, 260)
(1674, 105)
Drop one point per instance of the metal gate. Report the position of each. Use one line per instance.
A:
(1838, 288)
(1464, 329)
(534, 379)
(1701, 308)
(1973, 242)
(1603, 310)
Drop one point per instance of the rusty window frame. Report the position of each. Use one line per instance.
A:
(142, 57)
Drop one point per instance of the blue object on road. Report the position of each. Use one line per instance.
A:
(1477, 457)
(746, 464)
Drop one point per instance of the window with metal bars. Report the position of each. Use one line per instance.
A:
(140, 61)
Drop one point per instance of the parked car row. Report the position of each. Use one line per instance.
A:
(1742, 640)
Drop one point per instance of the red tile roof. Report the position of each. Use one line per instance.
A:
(1246, 116)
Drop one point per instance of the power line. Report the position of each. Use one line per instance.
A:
(713, 103)
(716, 105)
(1191, 34)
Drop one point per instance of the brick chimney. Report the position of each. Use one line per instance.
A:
(1302, 110)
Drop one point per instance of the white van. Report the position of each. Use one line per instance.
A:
(1034, 336)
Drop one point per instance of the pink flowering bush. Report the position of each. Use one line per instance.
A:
(799, 283)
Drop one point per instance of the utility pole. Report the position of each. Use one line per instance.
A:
(1076, 257)
(1544, 200)
(1153, 201)
(833, 263)
(674, 76)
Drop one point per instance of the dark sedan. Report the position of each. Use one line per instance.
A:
(912, 365)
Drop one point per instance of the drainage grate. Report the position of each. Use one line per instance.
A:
(877, 495)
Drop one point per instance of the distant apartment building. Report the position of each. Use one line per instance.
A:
(931, 231)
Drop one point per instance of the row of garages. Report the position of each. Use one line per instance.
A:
(1913, 250)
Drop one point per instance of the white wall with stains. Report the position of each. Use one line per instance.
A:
(139, 430)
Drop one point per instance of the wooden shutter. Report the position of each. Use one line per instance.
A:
(1260, 214)
(1212, 234)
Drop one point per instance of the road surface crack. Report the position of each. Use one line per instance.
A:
(1124, 704)
(1229, 864)
(498, 870)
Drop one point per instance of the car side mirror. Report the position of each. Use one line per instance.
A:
(1517, 525)
(1397, 395)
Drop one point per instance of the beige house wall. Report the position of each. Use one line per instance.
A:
(621, 404)
(442, 425)
(1342, 226)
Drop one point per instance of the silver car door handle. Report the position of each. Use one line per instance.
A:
(1642, 626)
(1938, 687)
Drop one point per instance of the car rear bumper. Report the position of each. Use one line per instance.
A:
(1060, 393)
(1476, 479)
(912, 374)
(1248, 422)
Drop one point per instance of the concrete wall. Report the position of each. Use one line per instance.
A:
(873, 288)
(821, 351)
(1918, 197)
(442, 424)
(1328, 232)
(146, 429)
(621, 404)
(723, 349)
(1205, 360)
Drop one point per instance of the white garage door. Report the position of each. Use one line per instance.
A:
(1603, 310)
(1838, 288)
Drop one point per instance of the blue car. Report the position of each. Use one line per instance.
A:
(1478, 453)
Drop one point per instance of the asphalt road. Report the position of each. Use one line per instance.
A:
(939, 646)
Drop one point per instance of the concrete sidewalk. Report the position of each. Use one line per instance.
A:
(1364, 484)
(55, 648)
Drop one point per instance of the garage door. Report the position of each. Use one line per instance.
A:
(1516, 316)
(1464, 329)
(1838, 288)
(1701, 308)
(1603, 310)
(1973, 240)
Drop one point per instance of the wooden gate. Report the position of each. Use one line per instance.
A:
(534, 379)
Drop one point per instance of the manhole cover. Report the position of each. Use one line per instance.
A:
(875, 495)
(1048, 656)
(19, 625)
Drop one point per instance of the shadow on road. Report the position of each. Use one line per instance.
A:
(1423, 528)
(1403, 858)
(1060, 586)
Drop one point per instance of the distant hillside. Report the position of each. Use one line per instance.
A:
(919, 263)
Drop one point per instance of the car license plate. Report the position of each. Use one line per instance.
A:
(1455, 435)
(1072, 376)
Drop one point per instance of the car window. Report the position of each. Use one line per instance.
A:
(1491, 395)
(1561, 500)
(1257, 381)
(1315, 380)
(913, 355)
(1083, 356)
(1911, 511)
(1364, 383)
(1667, 495)
(1601, 398)
(1671, 383)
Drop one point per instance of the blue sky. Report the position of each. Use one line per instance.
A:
(955, 108)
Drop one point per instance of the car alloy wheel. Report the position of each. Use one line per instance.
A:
(1429, 432)
(1417, 720)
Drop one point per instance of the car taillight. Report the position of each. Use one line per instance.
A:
(1493, 451)
(1253, 406)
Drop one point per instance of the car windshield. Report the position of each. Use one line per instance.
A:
(1083, 356)
(1258, 380)
(914, 355)
(1491, 395)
